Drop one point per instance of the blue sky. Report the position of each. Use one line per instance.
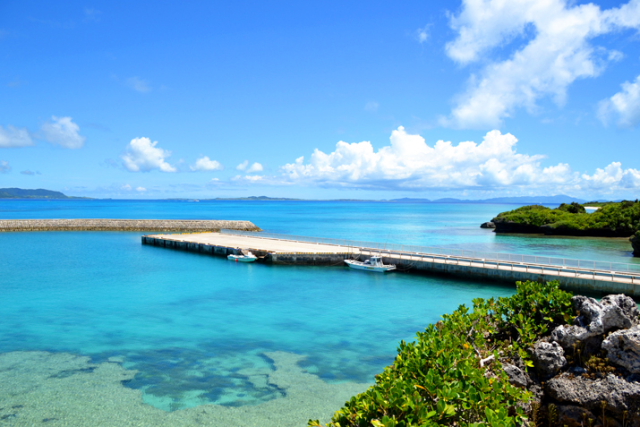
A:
(369, 100)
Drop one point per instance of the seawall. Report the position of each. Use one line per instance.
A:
(167, 225)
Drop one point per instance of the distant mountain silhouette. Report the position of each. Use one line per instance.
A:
(19, 193)
(521, 199)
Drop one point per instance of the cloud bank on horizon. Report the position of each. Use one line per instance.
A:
(409, 163)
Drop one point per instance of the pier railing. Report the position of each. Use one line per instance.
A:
(558, 263)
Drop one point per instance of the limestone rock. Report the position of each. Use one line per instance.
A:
(517, 376)
(635, 243)
(620, 395)
(548, 358)
(488, 224)
(596, 318)
(573, 416)
(623, 348)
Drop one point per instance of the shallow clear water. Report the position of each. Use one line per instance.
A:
(193, 325)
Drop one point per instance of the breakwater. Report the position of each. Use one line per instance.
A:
(577, 275)
(164, 225)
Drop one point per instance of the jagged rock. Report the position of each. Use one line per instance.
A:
(517, 376)
(488, 224)
(611, 313)
(620, 395)
(573, 416)
(548, 358)
(635, 244)
(623, 348)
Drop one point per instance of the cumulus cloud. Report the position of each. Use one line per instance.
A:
(14, 137)
(141, 189)
(409, 163)
(62, 131)
(255, 167)
(142, 155)
(422, 35)
(624, 104)
(138, 84)
(4, 166)
(556, 52)
(206, 164)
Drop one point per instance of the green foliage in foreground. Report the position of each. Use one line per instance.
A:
(620, 219)
(439, 379)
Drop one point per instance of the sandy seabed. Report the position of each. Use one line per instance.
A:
(61, 389)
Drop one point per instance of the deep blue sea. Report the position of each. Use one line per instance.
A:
(191, 324)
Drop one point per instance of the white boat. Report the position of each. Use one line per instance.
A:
(372, 264)
(249, 257)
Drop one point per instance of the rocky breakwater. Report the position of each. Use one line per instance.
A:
(169, 225)
(587, 373)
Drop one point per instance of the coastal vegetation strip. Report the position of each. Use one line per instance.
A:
(620, 219)
(512, 361)
(166, 225)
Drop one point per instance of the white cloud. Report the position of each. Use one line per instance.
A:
(4, 166)
(422, 35)
(409, 163)
(242, 166)
(141, 189)
(138, 84)
(255, 167)
(556, 52)
(624, 104)
(14, 137)
(142, 155)
(62, 131)
(30, 172)
(206, 164)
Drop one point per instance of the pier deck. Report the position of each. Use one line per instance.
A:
(585, 276)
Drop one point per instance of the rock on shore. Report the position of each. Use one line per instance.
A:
(588, 371)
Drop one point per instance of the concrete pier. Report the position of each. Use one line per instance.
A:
(284, 251)
(164, 225)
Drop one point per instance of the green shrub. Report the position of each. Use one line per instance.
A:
(615, 219)
(439, 378)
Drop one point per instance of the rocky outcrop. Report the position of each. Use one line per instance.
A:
(590, 370)
(487, 224)
(623, 348)
(548, 358)
(517, 376)
(596, 318)
(619, 394)
(635, 243)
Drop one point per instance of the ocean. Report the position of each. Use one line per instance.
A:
(98, 329)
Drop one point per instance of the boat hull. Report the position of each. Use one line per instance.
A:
(362, 266)
(241, 258)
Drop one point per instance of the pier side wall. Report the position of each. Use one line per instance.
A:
(167, 225)
(511, 276)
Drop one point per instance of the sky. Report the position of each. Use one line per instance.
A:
(321, 100)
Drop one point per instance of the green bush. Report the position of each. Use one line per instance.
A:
(614, 219)
(439, 378)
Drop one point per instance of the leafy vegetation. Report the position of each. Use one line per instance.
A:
(452, 374)
(612, 219)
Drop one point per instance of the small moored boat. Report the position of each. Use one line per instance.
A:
(372, 264)
(248, 257)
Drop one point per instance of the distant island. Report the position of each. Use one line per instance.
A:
(19, 193)
(613, 219)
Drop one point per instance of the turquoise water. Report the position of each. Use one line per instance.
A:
(191, 324)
